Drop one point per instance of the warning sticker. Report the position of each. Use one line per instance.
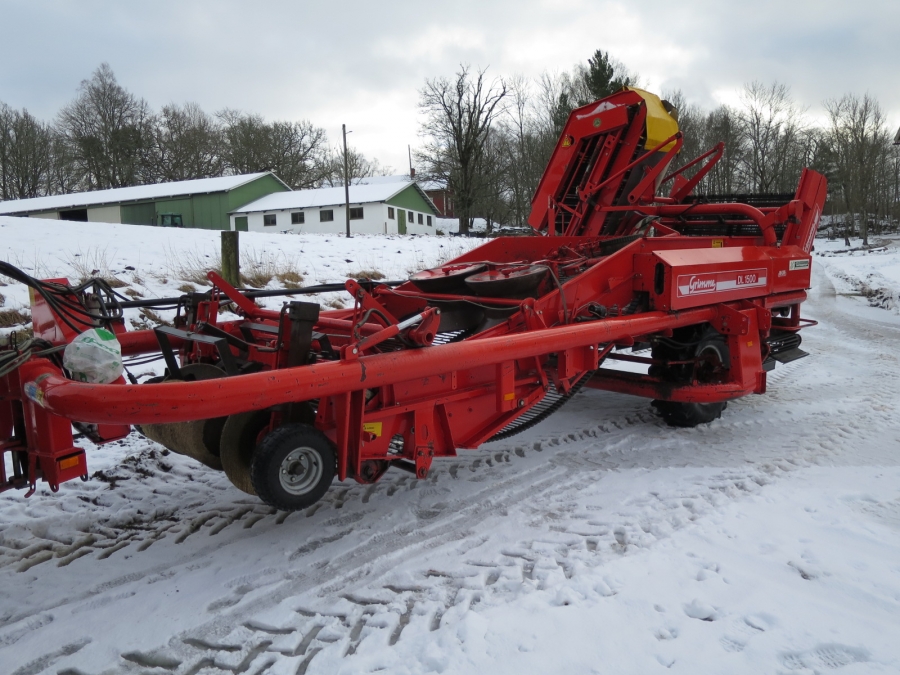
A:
(718, 282)
(34, 392)
(373, 428)
(799, 265)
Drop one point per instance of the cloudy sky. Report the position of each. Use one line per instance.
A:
(362, 62)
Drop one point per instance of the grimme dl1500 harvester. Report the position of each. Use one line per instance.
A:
(624, 257)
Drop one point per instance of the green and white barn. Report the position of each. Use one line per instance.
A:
(202, 203)
(381, 205)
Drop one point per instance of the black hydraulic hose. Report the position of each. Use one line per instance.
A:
(270, 293)
(56, 295)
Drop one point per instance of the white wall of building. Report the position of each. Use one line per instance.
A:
(49, 215)
(104, 214)
(375, 220)
(413, 227)
(95, 214)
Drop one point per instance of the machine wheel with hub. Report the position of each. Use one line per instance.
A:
(293, 467)
(712, 361)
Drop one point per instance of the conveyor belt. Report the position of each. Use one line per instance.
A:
(552, 402)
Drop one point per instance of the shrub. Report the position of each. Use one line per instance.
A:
(191, 266)
(13, 317)
(290, 279)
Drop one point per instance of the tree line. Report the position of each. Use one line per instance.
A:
(108, 137)
(490, 139)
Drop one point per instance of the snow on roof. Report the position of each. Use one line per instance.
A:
(333, 196)
(404, 178)
(379, 180)
(432, 185)
(129, 194)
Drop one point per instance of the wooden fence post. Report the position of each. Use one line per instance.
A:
(231, 259)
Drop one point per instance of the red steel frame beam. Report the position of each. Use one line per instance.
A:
(185, 401)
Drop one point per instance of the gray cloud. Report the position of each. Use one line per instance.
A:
(362, 63)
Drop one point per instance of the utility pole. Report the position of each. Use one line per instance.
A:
(346, 181)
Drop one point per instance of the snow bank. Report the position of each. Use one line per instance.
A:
(872, 274)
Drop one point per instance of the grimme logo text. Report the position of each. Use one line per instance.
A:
(701, 284)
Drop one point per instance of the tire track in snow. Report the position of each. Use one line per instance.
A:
(143, 530)
(329, 614)
(439, 597)
(436, 599)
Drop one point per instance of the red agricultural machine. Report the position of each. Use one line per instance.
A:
(626, 263)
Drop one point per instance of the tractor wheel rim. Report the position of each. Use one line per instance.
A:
(300, 470)
(709, 371)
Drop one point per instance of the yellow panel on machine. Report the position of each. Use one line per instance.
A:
(660, 124)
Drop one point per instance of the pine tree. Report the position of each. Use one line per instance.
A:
(604, 76)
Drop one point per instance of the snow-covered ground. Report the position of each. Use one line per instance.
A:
(600, 541)
(166, 262)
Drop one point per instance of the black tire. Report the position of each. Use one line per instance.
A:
(689, 414)
(712, 345)
(293, 467)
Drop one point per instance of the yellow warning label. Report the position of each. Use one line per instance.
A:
(510, 396)
(718, 243)
(373, 428)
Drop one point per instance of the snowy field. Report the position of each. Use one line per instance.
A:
(166, 262)
(600, 541)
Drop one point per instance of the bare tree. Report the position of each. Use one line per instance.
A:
(492, 197)
(246, 142)
(187, 144)
(892, 195)
(295, 151)
(859, 143)
(553, 102)
(64, 176)
(526, 137)
(723, 125)
(6, 143)
(770, 125)
(109, 132)
(25, 154)
(692, 122)
(359, 167)
(300, 152)
(458, 116)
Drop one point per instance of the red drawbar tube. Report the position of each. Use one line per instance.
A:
(184, 401)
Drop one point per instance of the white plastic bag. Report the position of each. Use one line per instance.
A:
(95, 356)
